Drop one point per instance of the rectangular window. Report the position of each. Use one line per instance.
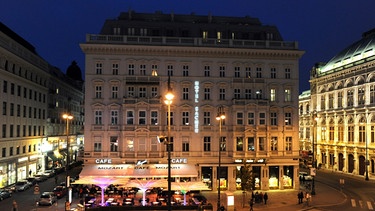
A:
(207, 143)
(154, 70)
(258, 72)
(223, 143)
(362, 134)
(207, 93)
(261, 143)
(113, 143)
(262, 118)
(288, 95)
(273, 72)
(185, 93)
(206, 71)
(250, 118)
(250, 144)
(142, 92)
(222, 71)
(237, 72)
(273, 94)
(288, 143)
(288, 118)
(273, 143)
(247, 93)
(154, 91)
(185, 145)
(239, 143)
(5, 86)
(97, 147)
(131, 70)
(114, 69)
(240, 118)
(287, 73)
(99, 68)
(142, 69)
(273, 120)
(221, 94)
(114, 93)
(154, 117)
(114, 117)
(141, 117)
(185, 118)
(170, 70)
(185, 70)
(237, 93)
(98, 91)
(131, 91)
(98, 117)
(206, 118)
(4, 108)
(248, 72)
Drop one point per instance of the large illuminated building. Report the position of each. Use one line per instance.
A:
(337, 119)
(234, 63)
(34, 95)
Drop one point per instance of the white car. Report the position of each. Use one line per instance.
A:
(304, 175)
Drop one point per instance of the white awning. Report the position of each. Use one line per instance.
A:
(137, 171)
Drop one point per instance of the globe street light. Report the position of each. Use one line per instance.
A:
(67, 117)
(220, 117)
(168, 101)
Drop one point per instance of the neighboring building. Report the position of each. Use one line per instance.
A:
(27, 84)
(230, 62)
(341, 110)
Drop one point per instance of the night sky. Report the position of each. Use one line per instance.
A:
(322, 27)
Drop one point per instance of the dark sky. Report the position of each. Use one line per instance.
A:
(322, 27)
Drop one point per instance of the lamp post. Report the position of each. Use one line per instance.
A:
(220, 117)
(315, 131)
(367, 161)
(168, 101)
(67, 117)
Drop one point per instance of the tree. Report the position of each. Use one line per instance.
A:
(246, 175)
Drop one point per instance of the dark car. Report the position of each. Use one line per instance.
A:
(32, 180)
(60, 191)
(198, 199)
(5, 194)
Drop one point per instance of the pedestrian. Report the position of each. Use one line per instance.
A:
(30, 172)
(265, 198)
(56, 180)
(307, 198)
(300, 197)
(251, 205)
(14, 206)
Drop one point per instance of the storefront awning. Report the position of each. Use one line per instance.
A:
(138, 171)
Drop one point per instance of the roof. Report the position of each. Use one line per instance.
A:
(360, 50)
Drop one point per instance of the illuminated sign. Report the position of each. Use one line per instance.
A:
(179, 160)
(104, 160)
(196, 108)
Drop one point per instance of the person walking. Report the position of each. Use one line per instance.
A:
(265, 198)
(300, 197)
(14, 206)
(251, 204)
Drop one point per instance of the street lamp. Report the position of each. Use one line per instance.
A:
(220, 117)
(315, 134)
(67, 117)
(168, 101)
(367, 161)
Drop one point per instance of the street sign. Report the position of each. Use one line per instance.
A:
(36, 189)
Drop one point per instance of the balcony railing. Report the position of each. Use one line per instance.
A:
(190, 41)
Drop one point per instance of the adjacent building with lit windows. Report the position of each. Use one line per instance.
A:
(337, 119)
(232, 62)
(33, 96)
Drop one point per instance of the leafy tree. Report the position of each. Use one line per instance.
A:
(246, 175)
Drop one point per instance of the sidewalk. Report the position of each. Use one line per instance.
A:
(282, 199)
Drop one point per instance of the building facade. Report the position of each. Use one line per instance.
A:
(337, 117)
(27, 84)
(235, 64)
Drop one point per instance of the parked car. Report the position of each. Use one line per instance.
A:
(60, 191)
(47, 198)
(40, 177)
(59, 170)
(305, 176)
(32, 180)
(5, 194)
(49, 173)
(22, 185)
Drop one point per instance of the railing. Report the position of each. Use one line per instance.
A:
(190, 41)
